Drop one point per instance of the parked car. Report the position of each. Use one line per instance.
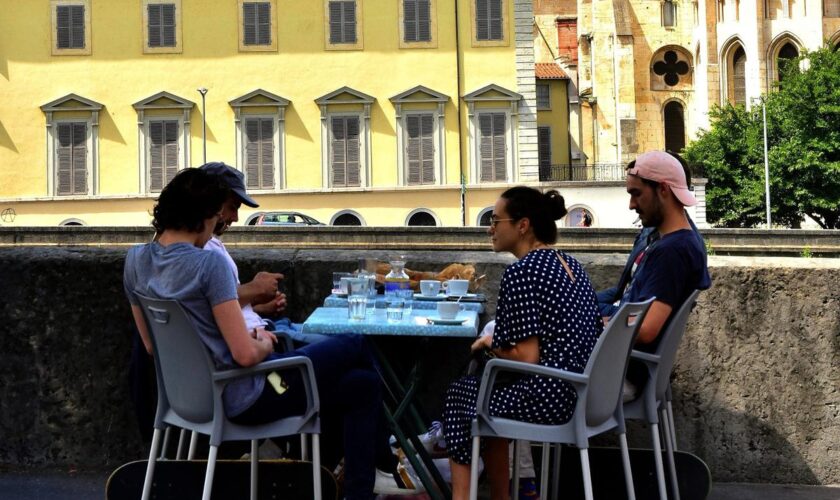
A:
(282, 219)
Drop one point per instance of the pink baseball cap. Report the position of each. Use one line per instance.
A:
(663, 168)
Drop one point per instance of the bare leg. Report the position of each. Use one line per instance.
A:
(496, 463)
(460, 480)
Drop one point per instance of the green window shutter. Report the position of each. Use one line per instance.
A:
(544, 146)
(256, 18)
(70, 26)
(338, 144)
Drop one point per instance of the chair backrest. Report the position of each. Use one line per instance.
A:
(671, 338)
(607, 364)
(184, 367)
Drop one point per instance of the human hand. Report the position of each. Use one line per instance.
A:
(264, 286)
(264, 335)
(482, 343)
(273, 307)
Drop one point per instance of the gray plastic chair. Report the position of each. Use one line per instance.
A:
(656, 396)
(190, 394)
(598, 408)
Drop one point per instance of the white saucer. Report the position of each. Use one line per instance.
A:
(420, 296)
(465, 296)
(339, 293)
(452, 322)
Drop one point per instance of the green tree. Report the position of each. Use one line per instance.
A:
(803, 135)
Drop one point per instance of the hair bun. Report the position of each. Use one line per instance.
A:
(555, 204)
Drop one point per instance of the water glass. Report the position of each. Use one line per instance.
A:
(357, 298)
(395, 309)
(337, 281)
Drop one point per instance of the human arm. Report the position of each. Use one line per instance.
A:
(261, 289)
(526, 351)
(141, 327)
(246, 350)
(273, 307)
(655, 319)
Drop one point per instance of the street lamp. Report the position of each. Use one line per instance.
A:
(203, 92)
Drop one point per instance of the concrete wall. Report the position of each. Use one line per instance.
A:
(756, 385)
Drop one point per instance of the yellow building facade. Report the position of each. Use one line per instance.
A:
(367, 109)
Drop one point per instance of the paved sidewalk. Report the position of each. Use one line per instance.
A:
(91, 486)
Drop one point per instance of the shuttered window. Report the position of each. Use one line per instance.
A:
(417, 20)
(544, 146)
(345, 151)
(420, 148)
(342, 21)
(492, 147)
(162, 25)
(488, 20)
(71, 158)
(163, 153)
(739, 78)
(543, 96)
(70, 26)
(256, 19)
(259, 153)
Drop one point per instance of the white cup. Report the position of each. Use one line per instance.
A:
(429, 288)
(448, 310)
(457, 288)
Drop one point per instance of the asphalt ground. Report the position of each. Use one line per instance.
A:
(59, 485)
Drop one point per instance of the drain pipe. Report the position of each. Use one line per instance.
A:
(615, 95)
(463, 179)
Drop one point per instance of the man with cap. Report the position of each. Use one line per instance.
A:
(260, 294)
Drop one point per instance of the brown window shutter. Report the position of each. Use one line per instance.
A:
(156, 156)
(154, 14)
(424, 21)
(171, 150)
(336, 23)
(339, 153)
(249, 22)
(77, 26)
(79, 161)
(353, 152)
(412, 123)
(349, 21)
(252, 153)
(410, 20)
(264, 23)
(266, 153)
(64, 159)
(482, 19)
(427, 149)
(495, 20)
(168, 36)
(499, 147)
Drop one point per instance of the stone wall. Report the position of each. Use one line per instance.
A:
(756, 383)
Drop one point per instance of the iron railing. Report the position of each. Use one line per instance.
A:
(597, 172)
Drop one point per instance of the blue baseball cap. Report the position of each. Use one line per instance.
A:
(233, 178)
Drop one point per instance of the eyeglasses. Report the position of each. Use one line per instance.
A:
(495, 222)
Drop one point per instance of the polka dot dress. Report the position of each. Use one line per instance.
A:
(536, 297)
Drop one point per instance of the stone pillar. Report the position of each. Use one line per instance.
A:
(527, 120)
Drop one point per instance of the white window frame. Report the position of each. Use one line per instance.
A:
(178, 47)
(359, 43)
(510, 146)
(145, 150)
(269, 47)
(82, 51)
(348, 211)
(279, 142)
(423, 210)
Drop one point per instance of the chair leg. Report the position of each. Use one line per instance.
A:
(672, 469)
(517, 444)
(165, 443)
(474, 469)
(628, 472)
(587, 476)
(193, 443)
(670, 412)
(181, 439)
(304, 451)
(150, 469)
(211, 468)
(657, 458)
(555, 478)
(544, 465)
(316, 467)
(255, 460)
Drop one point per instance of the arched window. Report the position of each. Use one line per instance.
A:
(674, 117)
(787, 53)
(72, 222)
(669, 13)
(421, 217)
(580, 216)
(347, 220)
(738, 79)
(484, 217)
(671, 69)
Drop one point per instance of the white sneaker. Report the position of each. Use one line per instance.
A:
(433, 440)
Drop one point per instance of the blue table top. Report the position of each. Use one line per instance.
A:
(416, 303)
(334, 320)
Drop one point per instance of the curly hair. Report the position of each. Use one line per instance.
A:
(542, 209)
(192, 197)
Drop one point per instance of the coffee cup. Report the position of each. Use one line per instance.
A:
(429, 288)
(457, 288)
(448, 310)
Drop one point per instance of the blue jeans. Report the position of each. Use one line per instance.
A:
(350, 394)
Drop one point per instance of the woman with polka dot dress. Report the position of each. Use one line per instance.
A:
(546, 314)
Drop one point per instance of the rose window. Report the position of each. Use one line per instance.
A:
(671, 68)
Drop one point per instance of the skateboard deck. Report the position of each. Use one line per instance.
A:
(184, 480)
(693, 477)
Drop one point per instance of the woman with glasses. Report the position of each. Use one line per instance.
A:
(175, 266)
(546, 314)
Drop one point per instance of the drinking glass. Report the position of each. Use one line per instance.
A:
(337, 281)
(395, 307)
(357, 298)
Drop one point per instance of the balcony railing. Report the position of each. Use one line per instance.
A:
(598, 172)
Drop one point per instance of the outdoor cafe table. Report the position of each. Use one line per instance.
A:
(404, 413)
(416, 303)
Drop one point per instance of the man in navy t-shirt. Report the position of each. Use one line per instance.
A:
(673, 265)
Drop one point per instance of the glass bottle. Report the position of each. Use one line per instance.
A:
(396, 281)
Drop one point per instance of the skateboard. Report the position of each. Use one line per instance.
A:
(184, 480)
(693, 477)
